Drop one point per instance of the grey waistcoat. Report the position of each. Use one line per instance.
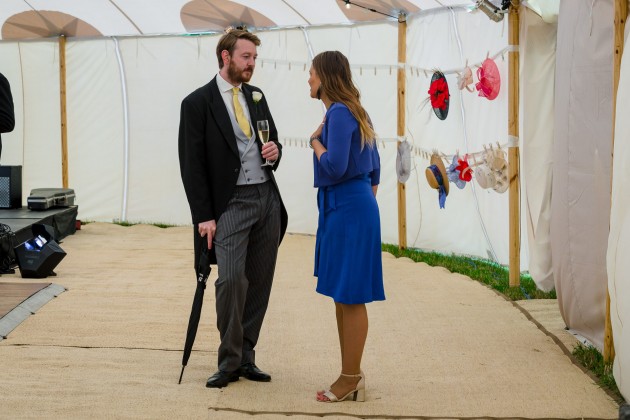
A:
(251, 171)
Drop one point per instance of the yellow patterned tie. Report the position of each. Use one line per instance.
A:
(241, 119)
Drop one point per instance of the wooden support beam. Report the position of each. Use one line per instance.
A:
(513, 149)
(402, 197)
(621, 14)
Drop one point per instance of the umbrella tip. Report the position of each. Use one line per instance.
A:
(181, 374)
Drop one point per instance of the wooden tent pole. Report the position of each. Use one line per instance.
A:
(513, 151)
(402, 57)
(62, 95)
(621, 13)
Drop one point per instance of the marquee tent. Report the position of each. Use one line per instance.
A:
(129, 64)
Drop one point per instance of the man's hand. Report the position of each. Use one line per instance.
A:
(208, 229)
(270, 151)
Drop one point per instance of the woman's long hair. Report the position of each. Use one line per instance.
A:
(333, 70)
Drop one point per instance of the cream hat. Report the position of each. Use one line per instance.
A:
(485, 176)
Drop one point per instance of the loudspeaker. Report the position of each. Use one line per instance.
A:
(38, 256)
(10, 187)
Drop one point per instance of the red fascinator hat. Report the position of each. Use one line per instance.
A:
(439, 95)
(489, 79)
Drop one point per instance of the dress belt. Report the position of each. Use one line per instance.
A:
(325, 199)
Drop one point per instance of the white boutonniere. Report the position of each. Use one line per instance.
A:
(256, 97)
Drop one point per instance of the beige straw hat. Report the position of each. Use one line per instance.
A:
(437, 177)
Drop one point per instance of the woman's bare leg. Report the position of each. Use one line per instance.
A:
(353, 334)
(339, 315)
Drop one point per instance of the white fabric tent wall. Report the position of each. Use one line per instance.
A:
(618, 264)
(96, 132)
(35, 143)
(538, 62)
(443, 41)
(582, 159)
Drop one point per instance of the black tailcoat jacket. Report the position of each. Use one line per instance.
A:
(208, 155)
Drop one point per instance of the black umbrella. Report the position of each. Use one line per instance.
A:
(203, 271)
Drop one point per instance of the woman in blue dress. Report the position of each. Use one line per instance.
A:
(348, 246)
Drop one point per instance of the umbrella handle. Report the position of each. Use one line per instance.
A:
(203, 266)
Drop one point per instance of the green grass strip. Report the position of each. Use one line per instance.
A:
(485, 271)
(593, 360)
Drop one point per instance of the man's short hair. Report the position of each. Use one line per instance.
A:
(228, 42)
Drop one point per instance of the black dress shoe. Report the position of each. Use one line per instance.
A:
(251, 372)
(221, 379)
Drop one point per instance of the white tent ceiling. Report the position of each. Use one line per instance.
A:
(43, 18)
(24, 19)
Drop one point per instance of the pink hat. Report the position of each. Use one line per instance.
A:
(489, 79)
(464, 79)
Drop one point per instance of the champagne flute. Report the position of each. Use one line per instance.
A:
(263, 133)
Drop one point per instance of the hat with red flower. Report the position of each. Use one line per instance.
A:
(439, 95)
(459, 172)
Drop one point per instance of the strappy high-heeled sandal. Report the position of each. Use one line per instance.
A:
(357, 394)
(323, 391)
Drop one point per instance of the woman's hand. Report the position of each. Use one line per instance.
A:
(315, 141)
(318, 131)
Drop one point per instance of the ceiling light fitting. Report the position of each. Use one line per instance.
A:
(493, 12)
(348, 3)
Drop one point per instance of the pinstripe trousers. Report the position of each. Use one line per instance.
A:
(246, 244)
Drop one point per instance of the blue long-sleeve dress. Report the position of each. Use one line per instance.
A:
(348, 261)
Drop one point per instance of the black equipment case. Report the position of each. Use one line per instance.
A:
(45, 198)
(10, 187)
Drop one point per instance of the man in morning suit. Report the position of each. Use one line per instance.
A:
(234, 201)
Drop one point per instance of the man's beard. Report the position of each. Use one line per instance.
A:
(238, 76)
